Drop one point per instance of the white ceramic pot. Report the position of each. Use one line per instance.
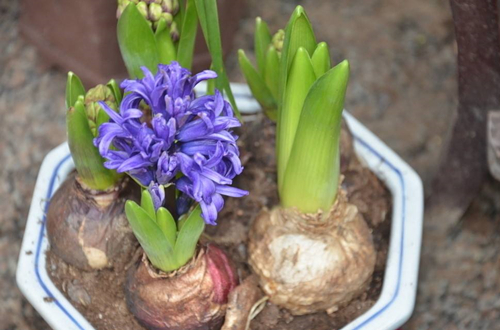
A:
(397, 299)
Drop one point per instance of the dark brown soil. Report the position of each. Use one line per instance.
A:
(100, 297)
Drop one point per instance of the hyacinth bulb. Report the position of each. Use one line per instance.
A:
(192, 298)
(87, 228)
(310, 263)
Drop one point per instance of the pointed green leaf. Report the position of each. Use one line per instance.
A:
(74, 88)
(209, 21)
(88, 161)
(211, 85)
(166, 47)
(102, 117)
(312, 174)
(321, 59)
(188, 237)
(272, 72)
(262, 40)
(147, 204)
(257, 85)
(299, 82)
(148, 233)
(117, 92)
(298, 33)
(167, 224)
(137, 42)
(188, 35)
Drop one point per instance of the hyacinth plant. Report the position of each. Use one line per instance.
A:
(86, 223)
(163, 135)
(314, 252)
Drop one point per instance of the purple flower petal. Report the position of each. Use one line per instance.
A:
(157, 194)
(230, 191)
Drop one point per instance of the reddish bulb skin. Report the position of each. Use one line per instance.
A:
(223, 275)
(191, 298)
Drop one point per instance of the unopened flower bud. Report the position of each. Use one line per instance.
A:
(122, 4)
(278, 39)
(167, 6)
(155, 12)
(175, 6)
(92, 107)
(143, 9)
(174, 32)
(168, 18)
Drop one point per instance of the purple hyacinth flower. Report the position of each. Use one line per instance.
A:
(186, 141)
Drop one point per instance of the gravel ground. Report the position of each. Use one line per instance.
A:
(403, 87)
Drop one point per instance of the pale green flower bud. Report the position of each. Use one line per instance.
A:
(174, 32)
(168, 18)
(143, 9)
(92, 107)
(278, 39)
(155, 12)
(167, 6)
(175, 7)
(122, 4)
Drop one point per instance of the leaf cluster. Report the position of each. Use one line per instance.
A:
(168, 244)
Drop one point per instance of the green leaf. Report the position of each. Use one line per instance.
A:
(188, 35)
(321, 59)
(209, 21)
(312, 175)
(137, 42)
(74, 88)
(272, 72)
(257, 85)
(299, 82)
(298, 33)
(88, 161)
(166, 47)
(167, 224)
(189, 235)
(102, 117)
(150, 236)
(211, 87)
(117, 92)
(262, 40)
(147, 204)
(181, 12)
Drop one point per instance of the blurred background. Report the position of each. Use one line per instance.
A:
(403, 87)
